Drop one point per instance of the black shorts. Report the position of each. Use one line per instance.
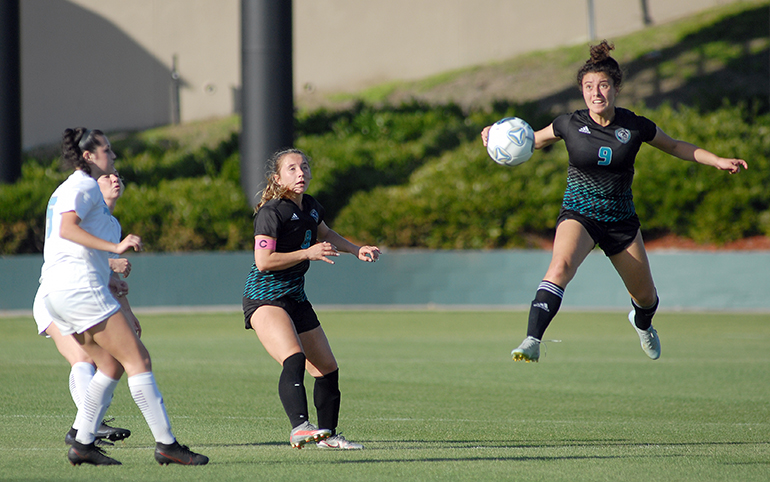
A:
(301, 313)
(612, 237)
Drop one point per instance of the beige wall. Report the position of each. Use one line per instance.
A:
(349, 44)
(107, 63)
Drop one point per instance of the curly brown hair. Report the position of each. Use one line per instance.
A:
(273, 190)
(601, 61)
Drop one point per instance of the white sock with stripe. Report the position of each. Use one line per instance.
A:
(91, 413)
(80, 376)
(150, 402)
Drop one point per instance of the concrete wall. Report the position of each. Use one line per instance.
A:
(348, 44)
(108, 63)
(498, 279)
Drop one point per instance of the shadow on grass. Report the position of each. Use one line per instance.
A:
(382, 445)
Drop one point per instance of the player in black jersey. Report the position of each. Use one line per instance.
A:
(602, 142)
(287, 227)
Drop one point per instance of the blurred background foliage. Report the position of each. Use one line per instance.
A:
(404, 166)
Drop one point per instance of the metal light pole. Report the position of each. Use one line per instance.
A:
(10, 92)
(267, 111)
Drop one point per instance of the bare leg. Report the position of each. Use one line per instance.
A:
(571, 245)
(634, 268)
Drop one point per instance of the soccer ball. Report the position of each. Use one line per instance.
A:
(511, 141)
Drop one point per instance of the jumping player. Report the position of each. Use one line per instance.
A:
(602, 142)
(287, 227)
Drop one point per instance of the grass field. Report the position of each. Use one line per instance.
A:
(432, 395)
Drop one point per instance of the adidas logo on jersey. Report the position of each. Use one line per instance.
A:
(294, 217)
(585, 130)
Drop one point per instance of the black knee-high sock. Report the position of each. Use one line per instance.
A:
(544, 307)
(291, 389)
(326, 396)
(643, 316)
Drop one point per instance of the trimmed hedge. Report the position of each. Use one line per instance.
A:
(464, 200)
(415, 176)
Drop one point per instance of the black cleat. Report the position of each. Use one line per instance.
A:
(178, 454)
(112, 434)
(103, 434)
(69, 439)
(89, 454)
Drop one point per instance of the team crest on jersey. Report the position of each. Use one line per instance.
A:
(314, 214)
(623, 135)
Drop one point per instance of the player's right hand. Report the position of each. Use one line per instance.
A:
(485, 135)
(130, 241)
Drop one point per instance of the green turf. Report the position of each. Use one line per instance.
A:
(432, 395)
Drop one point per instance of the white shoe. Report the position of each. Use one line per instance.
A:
(339, 442)
(528, 351)
(648, 338)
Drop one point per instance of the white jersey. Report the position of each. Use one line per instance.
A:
(68, 265)
(114, 236)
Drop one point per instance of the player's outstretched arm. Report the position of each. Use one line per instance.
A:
(690, 152)
(366, 253)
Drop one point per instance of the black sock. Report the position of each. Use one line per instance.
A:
(544, 307)
(291, 389)
(643, 316)
(326, 396)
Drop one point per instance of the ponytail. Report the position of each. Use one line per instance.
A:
(273, 190)
(77, 141)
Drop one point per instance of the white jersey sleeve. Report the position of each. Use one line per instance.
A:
(68, 265)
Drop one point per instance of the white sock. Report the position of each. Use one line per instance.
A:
(80, 376)
(91, 413)
(149, 400)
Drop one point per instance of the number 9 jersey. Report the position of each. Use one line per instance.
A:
(601, 162)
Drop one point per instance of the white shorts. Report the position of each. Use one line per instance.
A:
(42, 317)
(75, 311)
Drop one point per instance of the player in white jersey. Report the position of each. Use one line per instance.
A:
(75, 289)
(82, 366)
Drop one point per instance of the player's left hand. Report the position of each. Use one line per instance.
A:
(118, 287)
(733, 166)
(120, 266)
(370, 254)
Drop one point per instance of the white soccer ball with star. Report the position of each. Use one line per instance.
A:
(511, 141)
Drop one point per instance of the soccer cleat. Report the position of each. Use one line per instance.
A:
(339, 442)
(89, 454)
(111, 433)
(69, 439)
(528, 351)
(648, 338)
(306, 433)
(103, 432)
(178, 454)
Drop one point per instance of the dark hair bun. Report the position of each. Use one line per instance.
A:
(601, 52)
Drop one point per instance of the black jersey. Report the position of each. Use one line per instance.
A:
(294, 229)
(601, 162)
